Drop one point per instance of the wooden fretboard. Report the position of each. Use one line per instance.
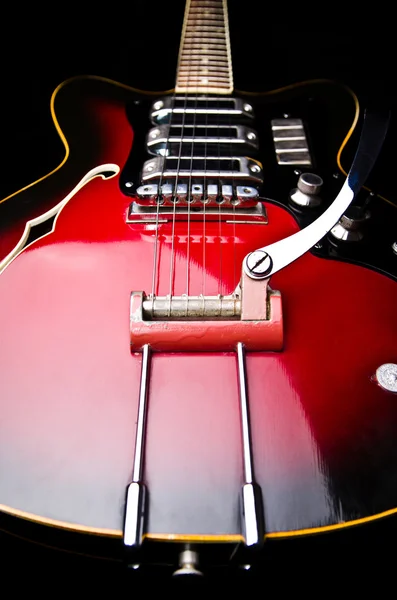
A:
(204, 63)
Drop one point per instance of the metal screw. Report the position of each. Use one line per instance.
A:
(386, 376)
(149, 167)
(251, 135)
(188, 563)
(297, 172)
(335, 175)
(394, 247)
(247, 107)
(128, 184)
(255, 168)
(155, 133)
(259, 263)
(157, 105)
(318, 246)
(286, 116)
(247, 190)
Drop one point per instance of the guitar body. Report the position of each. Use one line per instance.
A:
(323, 430)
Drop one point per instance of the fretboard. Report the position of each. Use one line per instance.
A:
(204, 63)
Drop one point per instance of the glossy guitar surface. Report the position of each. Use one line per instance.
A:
(322, 428)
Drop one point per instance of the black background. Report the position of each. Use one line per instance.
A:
(272, 45)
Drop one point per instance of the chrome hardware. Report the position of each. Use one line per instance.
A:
(386, 377)
(251, 497)
(203, 105)
(167, 193)
(351, 225)
(227, 194)
(240, 214)
(290, 142)
(149, 192)
(191, 307)
(292, 247)
(259, 264)
(162, 137)
(310, 184)
(251, 315)
(135, 511)
(307, 190)
(216, 194)
(223, 167)
(212, 193)
(188, 563)
(394, 247)
(244, 192)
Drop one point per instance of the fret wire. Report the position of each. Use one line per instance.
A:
(205, 25)
(213, 53)
(207, 33)
(197, 75)
(215, 47)
(210, 63)
(204, 42)
(223, 71)
(204, 28)
(205, 22)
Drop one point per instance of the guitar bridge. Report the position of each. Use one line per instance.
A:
(251, 315)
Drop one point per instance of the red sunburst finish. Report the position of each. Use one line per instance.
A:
(323, 431)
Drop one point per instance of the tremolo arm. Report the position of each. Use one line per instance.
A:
(266, 261)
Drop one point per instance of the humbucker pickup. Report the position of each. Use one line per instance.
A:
(167, 140)
(202, 167)
(202, 109)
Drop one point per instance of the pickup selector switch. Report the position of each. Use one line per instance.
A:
(306, 194)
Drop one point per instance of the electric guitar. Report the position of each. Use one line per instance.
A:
(197, 313)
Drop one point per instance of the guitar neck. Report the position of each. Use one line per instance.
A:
(204, 63)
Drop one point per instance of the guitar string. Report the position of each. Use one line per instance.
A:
(205, 197)
(158, 202)
(190, 178)
(174, 198)
(219, 199)
(233, 199)
(218, 187)
(189, 200)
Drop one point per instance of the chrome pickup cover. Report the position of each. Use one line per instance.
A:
(168, 139)
(202, 167)
(210, 108)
